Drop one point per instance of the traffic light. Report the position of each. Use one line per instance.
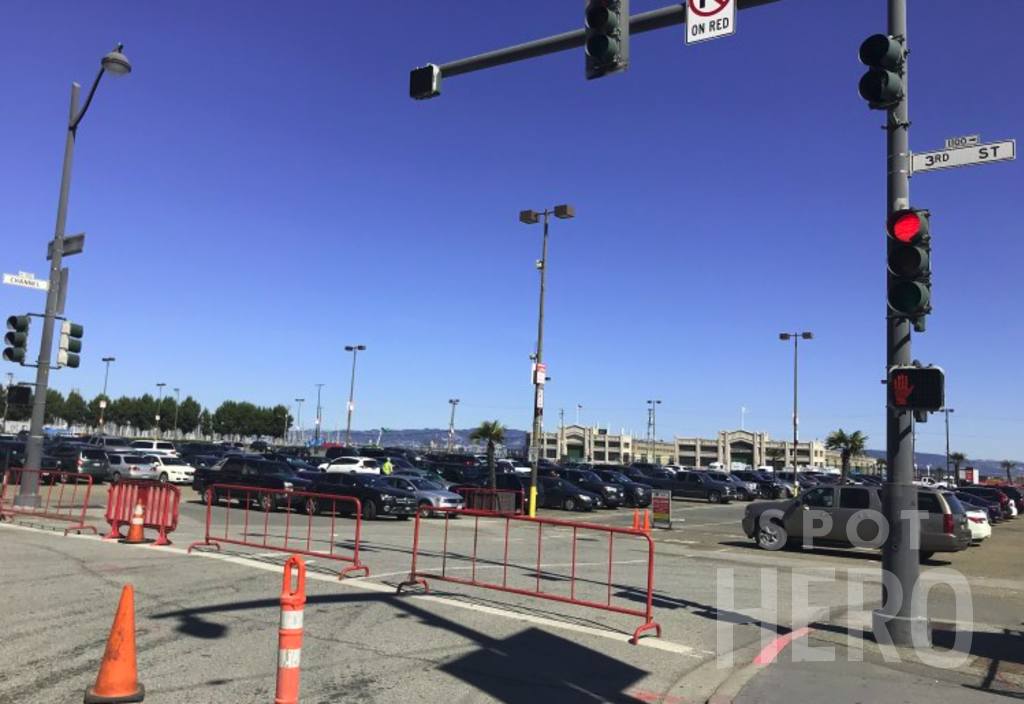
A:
(70, 344)
(917, 388)
(607, 33)
(882, 85)
(425, 82)
(909, 260)
(16, 339)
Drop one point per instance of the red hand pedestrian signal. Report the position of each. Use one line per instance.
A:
(917, 388)
(902, 389)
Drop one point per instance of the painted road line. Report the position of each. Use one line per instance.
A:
(772, 650)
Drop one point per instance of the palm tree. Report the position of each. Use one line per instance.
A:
(774, 455)
(957, 458)
(1008, 465)
(493, 433)
(848, 445)
(880, 466)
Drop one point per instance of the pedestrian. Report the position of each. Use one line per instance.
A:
(386, 469)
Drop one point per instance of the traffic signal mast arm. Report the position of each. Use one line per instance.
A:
(644, 22)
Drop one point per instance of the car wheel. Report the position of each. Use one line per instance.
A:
(424, 509)
(163, 477)
(369, 510)
(771, 536)
(268, 503)
(210, 497)
(569, 504)
(312, 506)
(714, 497)
(115, 477)
(742, 495)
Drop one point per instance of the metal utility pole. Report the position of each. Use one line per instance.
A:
(451, 423)
(532, 217)
(900, 552)
(177, 398)
(354, 349)
(796, 337)
(947, 411)
(103, 401)
(7, 390)
(316, 431)
(116, 63)
(654, 428)
(159, 402)
(298, 420)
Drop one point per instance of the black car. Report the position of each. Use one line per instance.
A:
(635, 494)
(643, 476)
(769, 486)
(520, 484)
(611, 493)
(335, 452)
(995, 513)
(560, 493)
(255, 472)
(990, 493)
(376, 497)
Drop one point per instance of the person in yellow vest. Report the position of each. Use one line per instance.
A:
(386, 469)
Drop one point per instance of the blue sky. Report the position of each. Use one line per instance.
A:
(260, 192)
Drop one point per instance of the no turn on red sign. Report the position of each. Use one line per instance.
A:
(709, 19)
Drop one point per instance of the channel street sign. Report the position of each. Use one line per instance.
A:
(964, 156)
(709, 19)
(23, 278)
(968, 141)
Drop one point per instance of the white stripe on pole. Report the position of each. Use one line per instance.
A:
(291, 619)
(288, 659)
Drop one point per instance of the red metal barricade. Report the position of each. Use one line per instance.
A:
(159, 501)
(302, 533)
(476, 563)
(63, 496)
(501, 501)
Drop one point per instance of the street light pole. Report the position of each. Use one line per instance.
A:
(117, 65)
(796, 337)
(298, 420)
(316, 431)
(177, 399)
(654, 428)
(451, 423)
(354, 349)
(532, 217)
(7, 390)
(103, 401)
(947, 411)
(159, 402)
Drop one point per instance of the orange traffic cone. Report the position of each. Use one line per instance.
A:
(136, 532)
(636, 519)
(118, 679)
(647, 521)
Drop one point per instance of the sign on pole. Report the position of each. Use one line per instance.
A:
(966, 141)
(27, 280)
(661, 508)
(709, 19)
(540, 373)
(964, 156)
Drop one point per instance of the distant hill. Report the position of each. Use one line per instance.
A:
(988, 468)
(425, 437)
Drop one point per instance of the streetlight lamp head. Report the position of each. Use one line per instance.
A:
(529, 217)
(784, 335)
(807, 335)
(565, 212)
(109, 359)
(116, 64)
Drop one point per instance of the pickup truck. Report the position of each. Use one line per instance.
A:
(691, 485)
(254, 472)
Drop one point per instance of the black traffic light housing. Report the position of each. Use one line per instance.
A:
(882, 85)
(16, 339)
(607, 37)
(425, 82)
(70, 344)
(913, 388)
(909, 261)
(19, 395)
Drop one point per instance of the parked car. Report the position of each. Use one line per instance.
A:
(991, 493)
(351, 464)
(109, 442)
(931, 483)
(745, 491)
(427, 474)
(611, 493)
(977, 520)
(944, 530)
(429, 495)
(251, 471)
(992, 508)
(82, 459)
(334, 452)
(768, 487)
(515, 466)
(172, 469)
(154, 447)
(693, 485)
(376, 497)
(131, 467)
(559, 493)
(635, 494)
(12, 456)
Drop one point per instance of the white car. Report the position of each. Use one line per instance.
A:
(932, 483)
(361, 465)
(131, 467)
(513, 466)
(977, 521)
(154, 447)
(172, 469)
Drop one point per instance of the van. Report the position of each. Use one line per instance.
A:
(154, 447)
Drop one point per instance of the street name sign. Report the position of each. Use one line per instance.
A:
(709, 19)
(27, 280)
(964, 156)
(966, 141)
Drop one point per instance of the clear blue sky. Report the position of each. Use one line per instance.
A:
(260, 192)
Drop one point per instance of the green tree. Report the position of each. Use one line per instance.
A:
(76, 410)
(188, 415)
(54, 406)
(142, 412)
(206, 423)
(848, 445)
(119, 411)
(166, 412)
(1008, 466)
(775, 455)
(493, 433)
(957, 458)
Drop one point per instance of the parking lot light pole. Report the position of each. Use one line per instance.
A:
(451, 423)
(796, 337)
(298, 419)
(354, 349)
(316, 432)
(654, 428)
(159, 402)
(116, 64)
(103, 401)
(177, 397)
(947, 411)
(532, 217)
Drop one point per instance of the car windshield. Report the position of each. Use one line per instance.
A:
(371, 480)
(589, 476)
(277, 469)
(615, 478)
(173, 460)
(134, 459)
(94, 454)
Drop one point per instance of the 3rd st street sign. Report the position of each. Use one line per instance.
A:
(709, 19)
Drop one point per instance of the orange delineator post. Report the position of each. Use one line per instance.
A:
(289, 635)
(118, 678)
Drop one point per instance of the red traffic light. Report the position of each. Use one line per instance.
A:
(909, 225)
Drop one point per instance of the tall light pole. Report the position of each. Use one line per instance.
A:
(7, 390)
(354, 349)
(159, 402)
(532, 217)
(177, 398)
(316, 431)
(103, 401)
(451, 423)
(116, 64)
(653, 403)
(947, 411)
(796, 337)
(298, 420)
